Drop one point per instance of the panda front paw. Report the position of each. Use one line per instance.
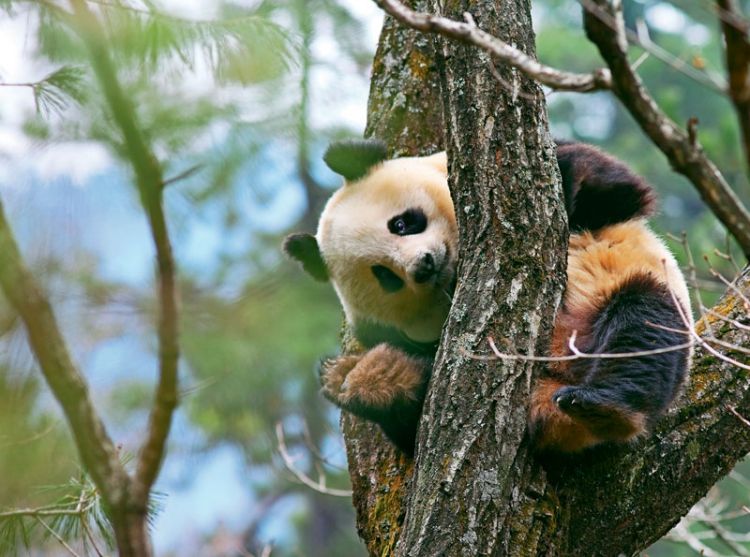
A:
(374, 384)
(598, 411)
(383, 374)
(333, 373)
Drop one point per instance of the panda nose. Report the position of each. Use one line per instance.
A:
(425, 269)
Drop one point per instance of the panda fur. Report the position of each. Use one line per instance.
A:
(388, 242)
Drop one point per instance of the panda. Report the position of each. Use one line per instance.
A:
(388, 241)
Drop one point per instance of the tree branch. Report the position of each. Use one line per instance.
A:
(149, 180)
(605, 28)
(95, 447)
(469, 33)
(737, 56)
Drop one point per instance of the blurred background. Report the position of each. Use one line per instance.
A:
(240, 99)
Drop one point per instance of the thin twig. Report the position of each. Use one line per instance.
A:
(87, 531)
(739, 416)
(44, 511)
(182, 175)
(318, 486)
(576, 353)
(57, 537)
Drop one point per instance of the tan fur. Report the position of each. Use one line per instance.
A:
(600, 262)
(376, 378)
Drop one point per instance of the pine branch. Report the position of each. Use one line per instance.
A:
(66, 382)
(73, 517)
(149, 180)
(151, 36)
(57, 90)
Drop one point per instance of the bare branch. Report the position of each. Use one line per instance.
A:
(150, 181)
(576, 353)
(57, 537)
(469, 33)
(320, 485)
(686, 157)
(182, 175)
(737, 58)
(95, 447)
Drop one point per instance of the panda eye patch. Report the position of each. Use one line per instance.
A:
(411, 221)
(389, 281)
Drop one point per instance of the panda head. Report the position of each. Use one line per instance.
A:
(387, 239)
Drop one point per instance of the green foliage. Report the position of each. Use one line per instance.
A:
(29, 440)
(255, 355)
(77, 517)
(57, 90)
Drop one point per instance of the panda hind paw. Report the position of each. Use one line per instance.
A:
(604, 418)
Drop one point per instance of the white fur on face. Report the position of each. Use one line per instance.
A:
(353, 236)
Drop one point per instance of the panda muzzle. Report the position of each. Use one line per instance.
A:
(425, 269)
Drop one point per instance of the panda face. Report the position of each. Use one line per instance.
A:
(389, 241)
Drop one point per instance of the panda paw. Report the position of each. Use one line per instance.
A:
(606, 419)
(377, 384)
(383, 375)
(333, 373)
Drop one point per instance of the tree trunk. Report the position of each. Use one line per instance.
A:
(463, 497)
(476, 484)
(406, 111)
(475, 489)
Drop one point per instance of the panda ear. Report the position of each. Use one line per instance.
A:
(354, 158)
(304, 248)
(439, 161)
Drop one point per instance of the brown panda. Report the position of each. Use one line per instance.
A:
(388, 240)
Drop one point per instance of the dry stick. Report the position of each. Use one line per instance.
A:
(87, 531)
(577, 354)
(641, 38)
(739, 416)
(149, 179)
(57, 537)
(95, 447)
(45, 511)
(318, 486)
(686, 157)
(731, 286)
(736, 324)
(682, 533)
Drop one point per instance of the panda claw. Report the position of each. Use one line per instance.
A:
(344, 387)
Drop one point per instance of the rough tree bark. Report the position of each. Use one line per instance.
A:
(463, 497)
(474, 488)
